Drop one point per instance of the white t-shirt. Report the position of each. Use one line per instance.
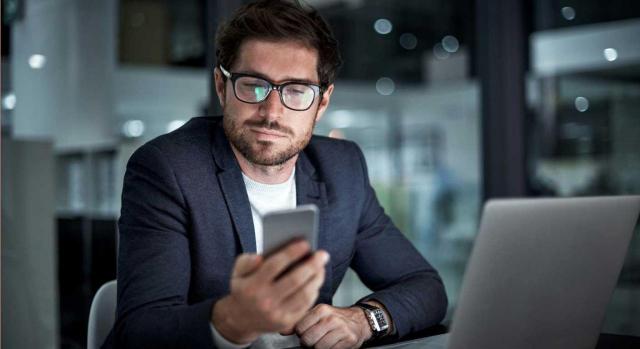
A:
(265, 198)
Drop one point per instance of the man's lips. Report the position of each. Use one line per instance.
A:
(267, 132)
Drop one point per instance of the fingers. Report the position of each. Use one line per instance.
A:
(300, 302)
(300, 275)
(270, 297)
(291, 310)
(347, 342)
(277, 263)
(335, 339)
(289, 331)
(245, 264)
(316, 314)
(317, 333)
(329, 327)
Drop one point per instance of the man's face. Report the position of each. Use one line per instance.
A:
(268, 133)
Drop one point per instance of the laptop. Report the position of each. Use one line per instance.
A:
(541, 274)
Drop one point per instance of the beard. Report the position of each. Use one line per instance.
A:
(265, 153)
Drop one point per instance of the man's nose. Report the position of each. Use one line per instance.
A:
(272, 108)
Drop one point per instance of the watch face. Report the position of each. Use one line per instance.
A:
(376, 318)
(380, 317)
(381, 322)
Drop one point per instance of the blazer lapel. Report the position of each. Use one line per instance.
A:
(310, 190)
(234, 191)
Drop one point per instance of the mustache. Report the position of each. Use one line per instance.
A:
(269, 125)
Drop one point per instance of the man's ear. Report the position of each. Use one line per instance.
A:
(220, 82)
(324, 102)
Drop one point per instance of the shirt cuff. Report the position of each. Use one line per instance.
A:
(222, 342)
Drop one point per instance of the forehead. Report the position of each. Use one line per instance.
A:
(278, 60)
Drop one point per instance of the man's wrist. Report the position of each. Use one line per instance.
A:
(223, 343)
(223, 320)
(365, 329)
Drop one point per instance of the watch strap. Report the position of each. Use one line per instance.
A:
(367, 306)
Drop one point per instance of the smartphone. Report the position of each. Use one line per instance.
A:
(284, 226)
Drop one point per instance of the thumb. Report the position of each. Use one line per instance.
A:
(289, 331)
(246, 264)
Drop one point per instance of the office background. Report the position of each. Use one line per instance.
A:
(452, 101)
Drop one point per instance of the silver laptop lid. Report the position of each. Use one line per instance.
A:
(542, 272)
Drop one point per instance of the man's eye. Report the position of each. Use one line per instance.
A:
(296, 90)
(251, 86)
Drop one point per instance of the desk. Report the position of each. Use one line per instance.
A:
(606, 341)
(433, 342)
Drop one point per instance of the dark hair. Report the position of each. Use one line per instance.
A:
(277, 20)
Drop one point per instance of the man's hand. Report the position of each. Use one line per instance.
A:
(326, 326)
(262, 300)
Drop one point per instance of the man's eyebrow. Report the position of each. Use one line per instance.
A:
(285, 79)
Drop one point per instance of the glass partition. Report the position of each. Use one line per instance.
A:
(584, 102)
(407, 95)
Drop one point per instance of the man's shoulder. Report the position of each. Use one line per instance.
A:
(195, 134)
(333, 146)
(187, 144)
(332, 153)
(196, 131)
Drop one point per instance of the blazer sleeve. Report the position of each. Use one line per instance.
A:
(154, 261)
(402, 280)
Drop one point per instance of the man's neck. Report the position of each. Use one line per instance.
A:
(265, 174)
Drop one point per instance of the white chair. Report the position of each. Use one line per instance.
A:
(102, 315)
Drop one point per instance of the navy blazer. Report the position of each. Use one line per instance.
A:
(186, 216)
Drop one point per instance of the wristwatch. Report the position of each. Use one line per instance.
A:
(377, 321)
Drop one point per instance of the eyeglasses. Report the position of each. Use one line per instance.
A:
(252, 89)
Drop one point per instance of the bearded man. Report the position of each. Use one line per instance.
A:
(191, 273)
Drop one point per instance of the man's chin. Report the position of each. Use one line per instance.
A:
(271, 161)
(268, 157)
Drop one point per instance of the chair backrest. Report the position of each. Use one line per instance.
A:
(102, 314)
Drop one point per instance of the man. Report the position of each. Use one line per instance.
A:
(190, 271)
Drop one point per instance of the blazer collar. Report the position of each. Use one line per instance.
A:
(221, 149)
(233, 189)
(309, 187)
(311, 190)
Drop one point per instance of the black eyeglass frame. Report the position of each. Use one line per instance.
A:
(317, 89)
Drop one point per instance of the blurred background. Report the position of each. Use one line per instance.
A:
(452, 101)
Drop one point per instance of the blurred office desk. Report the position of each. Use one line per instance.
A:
(615, 341)
(605, 341)
(432, 337)
(433, 342)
